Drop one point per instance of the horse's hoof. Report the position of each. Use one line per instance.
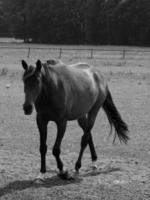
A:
(68, 175)
(73, 175)
(38, 181)
(94, 166)
(40, 178)
(63, 175)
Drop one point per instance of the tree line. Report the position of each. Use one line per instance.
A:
(111, 22)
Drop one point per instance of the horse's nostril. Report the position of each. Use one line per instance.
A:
(27, 109)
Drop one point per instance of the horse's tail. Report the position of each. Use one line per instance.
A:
(115, 120)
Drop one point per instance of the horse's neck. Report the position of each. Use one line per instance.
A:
(51, 95)
(49, 82)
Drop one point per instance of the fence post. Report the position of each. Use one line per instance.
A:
(124, 54)
(28, 52)
(60, 52)
(91, 53)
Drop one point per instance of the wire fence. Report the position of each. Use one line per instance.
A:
(44, 52)
(93, 53)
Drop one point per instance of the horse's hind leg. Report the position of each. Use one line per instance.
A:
(92, 148)
(61, 127)
(83, 124)
(87, 137)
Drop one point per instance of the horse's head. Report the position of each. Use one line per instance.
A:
(32, 85)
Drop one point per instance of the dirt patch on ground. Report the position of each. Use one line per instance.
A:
(124, 171)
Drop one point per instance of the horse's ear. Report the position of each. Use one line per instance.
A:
(24, 65)
(38, 66)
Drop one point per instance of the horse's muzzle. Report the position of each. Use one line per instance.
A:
(27, 109)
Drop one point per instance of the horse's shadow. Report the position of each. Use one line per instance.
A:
(53, 181)
(20, 185)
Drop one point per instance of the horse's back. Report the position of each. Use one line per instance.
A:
(79, 75)
(80, 66)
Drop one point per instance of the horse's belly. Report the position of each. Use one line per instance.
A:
(76, 114)
(80, 108)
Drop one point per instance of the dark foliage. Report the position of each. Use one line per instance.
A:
(118, 22)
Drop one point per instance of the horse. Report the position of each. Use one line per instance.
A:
(61, 93)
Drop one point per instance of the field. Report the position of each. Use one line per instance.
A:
(125, 169)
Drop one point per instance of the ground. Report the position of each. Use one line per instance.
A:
(124, 170)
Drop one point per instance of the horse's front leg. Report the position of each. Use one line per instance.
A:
(61, 127)
(42, 126)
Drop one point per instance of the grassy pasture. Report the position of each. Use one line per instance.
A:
(125, 170)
